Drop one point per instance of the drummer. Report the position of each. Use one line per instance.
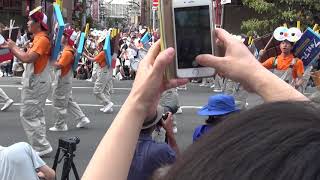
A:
(102, 86)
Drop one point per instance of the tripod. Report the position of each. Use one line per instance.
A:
(68, 163)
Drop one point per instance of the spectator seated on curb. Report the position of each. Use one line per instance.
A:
(218, 108)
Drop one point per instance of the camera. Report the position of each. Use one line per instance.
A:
(165, 116)
(69, 144)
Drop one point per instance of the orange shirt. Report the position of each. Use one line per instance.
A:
(101, 59)
(66, 60)
(41, 46)
(284, 63)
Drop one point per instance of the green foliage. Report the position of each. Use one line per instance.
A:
(273, 13)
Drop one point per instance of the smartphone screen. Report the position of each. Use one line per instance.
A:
(193, 34)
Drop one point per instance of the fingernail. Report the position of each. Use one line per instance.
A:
(170, 52)
(198, 57)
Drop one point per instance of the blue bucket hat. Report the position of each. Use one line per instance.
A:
(218, 105)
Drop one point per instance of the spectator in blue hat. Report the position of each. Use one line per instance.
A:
(218, 107)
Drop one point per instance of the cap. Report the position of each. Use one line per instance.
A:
(151, 122)
(39, 17)
(71, 35)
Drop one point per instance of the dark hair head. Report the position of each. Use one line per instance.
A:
(272, 141)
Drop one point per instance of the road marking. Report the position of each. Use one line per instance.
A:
(98, 105)
(20, 87)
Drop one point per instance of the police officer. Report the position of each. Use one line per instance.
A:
(62, 88)
(36, 81)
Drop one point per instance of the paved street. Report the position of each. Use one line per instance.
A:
(11, 129)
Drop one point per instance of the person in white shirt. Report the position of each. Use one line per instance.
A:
(20, 161)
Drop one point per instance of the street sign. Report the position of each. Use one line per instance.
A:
(225, 2)
(155, 3)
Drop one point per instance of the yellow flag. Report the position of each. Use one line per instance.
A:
(60, 3)
(250, 40)
(298, 24)
(315, 27)
(87, 29)
(114, 32)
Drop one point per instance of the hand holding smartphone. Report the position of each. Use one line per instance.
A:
(193, 27)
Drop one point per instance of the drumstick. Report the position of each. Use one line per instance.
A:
(266, 47)
(11, 27)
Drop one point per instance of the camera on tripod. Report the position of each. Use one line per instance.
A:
(68, 146)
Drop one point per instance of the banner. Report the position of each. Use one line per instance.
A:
(107, 50)
(146, 39)
(79, 51)
(57, 31)
(308, 47)
(95, 10)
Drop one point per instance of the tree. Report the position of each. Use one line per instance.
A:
(273, 13)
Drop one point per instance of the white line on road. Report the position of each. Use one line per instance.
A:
(20, 87)
(98, 105)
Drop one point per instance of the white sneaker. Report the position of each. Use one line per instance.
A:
(217, 90)
(202, 85)
(179, 111)
(102, 109)
(108, 107)
(213, 85)
(7, 105)
(175, 130)
(44, 152)
(110, 111)
(84, 121)
(59, 129)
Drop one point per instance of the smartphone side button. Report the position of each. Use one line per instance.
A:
(195, 72)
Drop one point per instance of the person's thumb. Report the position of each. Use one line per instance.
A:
(163, 59)
(208, 60)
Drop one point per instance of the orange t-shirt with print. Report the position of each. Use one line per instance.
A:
(41, 46)
(284, 62)
(101, 59)
(66, 60)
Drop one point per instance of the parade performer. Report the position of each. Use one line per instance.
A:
(286, 66)
(36, 82)
(102, 86)
(63, 103)
(5, 98)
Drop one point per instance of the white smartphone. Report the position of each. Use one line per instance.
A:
(193, 27)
